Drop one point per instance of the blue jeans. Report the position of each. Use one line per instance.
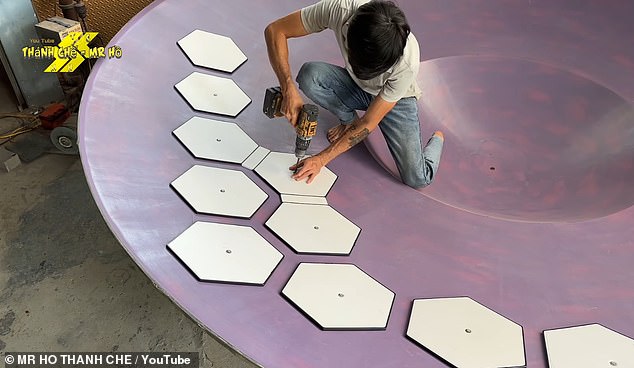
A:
(332, 88)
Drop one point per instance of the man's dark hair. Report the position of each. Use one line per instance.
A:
(377, 35)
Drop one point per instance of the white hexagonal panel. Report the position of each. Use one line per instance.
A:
(589, 346)
(274, 170)
(339, 297)
(213, 94)
(226, 253)
(215, 140)
(314, 229)
(466, 334)
(212, 50)
(217, 191)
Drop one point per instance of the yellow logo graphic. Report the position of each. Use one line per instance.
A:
(71, 52)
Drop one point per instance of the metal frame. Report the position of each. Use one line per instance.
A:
(32, 87)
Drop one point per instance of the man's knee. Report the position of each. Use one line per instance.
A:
(418, 184)
(415, 181)
(308, 75)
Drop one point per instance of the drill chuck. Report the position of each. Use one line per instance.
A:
(301, 146)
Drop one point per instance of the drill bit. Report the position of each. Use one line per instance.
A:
(296, 167)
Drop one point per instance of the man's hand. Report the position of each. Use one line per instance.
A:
(292, 103)
(308, 168)
(355, 133)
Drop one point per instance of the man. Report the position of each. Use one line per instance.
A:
(381, 59)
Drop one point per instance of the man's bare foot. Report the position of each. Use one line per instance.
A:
(335, 133)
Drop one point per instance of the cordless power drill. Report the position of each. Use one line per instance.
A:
(306, 126)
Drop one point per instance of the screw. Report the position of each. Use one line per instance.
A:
(222, 190)
(228, 251)
(467, 330)
(218, 140)
(316, 227)
(340, 295)
(613, 363)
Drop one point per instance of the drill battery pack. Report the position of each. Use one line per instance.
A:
(272, 102)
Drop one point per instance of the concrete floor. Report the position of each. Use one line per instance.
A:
(65, 282)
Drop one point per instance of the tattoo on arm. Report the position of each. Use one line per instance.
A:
(358, 137)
